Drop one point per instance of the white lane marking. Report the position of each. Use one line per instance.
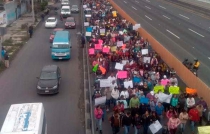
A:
(166, 17)
(184, 16)
(136, 1)
(134, 8)
(173, 34)
(147, 7)
(196, 32)
(147, 0)
(162, 7)
(125, 2)
(148, 17)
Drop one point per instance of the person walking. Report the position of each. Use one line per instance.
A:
(126, 122)
(82, 40)
(42, 16)
(3, 51)
(173, 124)
(138, 122)
(147, 120)
(6, 60)
(194, 118)
(159, 109)
(116, 122)
(183, 116)
(30, 31)
(200, 110)
(107, 93)
(98, 112)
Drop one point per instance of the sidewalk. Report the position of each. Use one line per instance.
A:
(200, 3)
(17, 33)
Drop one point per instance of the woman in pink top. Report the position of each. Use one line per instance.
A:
(173, 123)
(98, 112)
(170, 113)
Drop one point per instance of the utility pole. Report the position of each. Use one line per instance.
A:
(33, 15)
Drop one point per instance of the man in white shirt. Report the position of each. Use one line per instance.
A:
(112, 77)
(115, 95)
(174, 79)
(113, 85)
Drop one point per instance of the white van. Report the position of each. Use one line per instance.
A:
(66, 11)
(65, 3)
(26, 118)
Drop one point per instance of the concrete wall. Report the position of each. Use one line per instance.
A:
(187, 76)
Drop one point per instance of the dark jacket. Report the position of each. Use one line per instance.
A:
(126, 121)
(112, 119)
(138, 121)
(6, 56)
(147, 120)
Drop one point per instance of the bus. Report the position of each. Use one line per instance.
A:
(61, 46)
(25, 118)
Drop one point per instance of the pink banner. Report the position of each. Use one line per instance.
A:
(100, 42)
(106, 49)
(122, 74)
(98, 46)
(91, 51)
(164, 82)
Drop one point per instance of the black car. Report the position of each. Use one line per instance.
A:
(49, 80)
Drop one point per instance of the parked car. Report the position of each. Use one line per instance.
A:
(70, 22)
(52, 35)
(74, 9)
(51, 22)
(49, 80)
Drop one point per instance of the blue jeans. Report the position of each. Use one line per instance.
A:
(192, 124)
(146, 129)
(136, 130)
(127, 129)
(182, 125)
(99, 124)
(115, 130)
(114, 101)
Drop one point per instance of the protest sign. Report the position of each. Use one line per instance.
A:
(91, 51)
(128, 84)
(122, 74)
(124, 62)
(144, 100)
(114, 13)
(88, 34)
(119, 66)
(98, 46)
(100, 100)
(136, 26)
(162, 97)
(100, 42)
(89, 29)
(158, 88)
(86, 24)
(144, 51)
(114, 48)
(106, 49)
(174, 90)
(204, 130)
(145, 59)
(84, 6)
(155, 127)
(102, 31)
(191, 91)
(119, 43)
(104, 83)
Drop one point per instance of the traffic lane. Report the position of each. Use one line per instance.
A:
(198, 37)
(167, 40)
(183, 13)
(18, 83)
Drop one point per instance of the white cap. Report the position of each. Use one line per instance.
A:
(152, 93)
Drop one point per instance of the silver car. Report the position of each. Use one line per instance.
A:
(74, 9)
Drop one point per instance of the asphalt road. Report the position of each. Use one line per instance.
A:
(182, 32)
(18, 83)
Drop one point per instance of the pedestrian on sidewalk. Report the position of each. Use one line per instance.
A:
(126, 122)
(61, 17)
(6, 60)
(30, 31)
(194, 118)
(3, 51)
(42, 16)
(82, 40)
(98, 112)
(116, 122)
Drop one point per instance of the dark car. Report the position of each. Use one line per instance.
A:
(52, 35)
(49, 80)
(70, 22)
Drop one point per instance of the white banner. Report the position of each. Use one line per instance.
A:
(119, 66)
(100, 100)
(104, 83)
(155, 127)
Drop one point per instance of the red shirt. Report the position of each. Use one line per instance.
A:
(194, 114)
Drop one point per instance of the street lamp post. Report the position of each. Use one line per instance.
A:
(33, 15)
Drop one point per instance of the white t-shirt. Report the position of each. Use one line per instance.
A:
(112, 86)
(125, 94)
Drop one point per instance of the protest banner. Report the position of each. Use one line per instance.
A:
(128, 84)
(122, 74)
(91, 51)
(158, 88)
(144, 100)
(145, 59)
(136, 26)
(100, 100)
(106, 49)
(191, 91)
(98, 46)
(119, 66)
(119, 43)
(174, 90)
(162, 97)
(144, 51)
(105, 83)
(114, 48)
(88, 34)
(86, 24)
(204, 130)
(155, 127)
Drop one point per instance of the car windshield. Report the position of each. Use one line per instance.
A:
(60, 46)
(65, 10)
(70, 20)
(74, 6)
(65, 2)
(48, 75)
(50, 20)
